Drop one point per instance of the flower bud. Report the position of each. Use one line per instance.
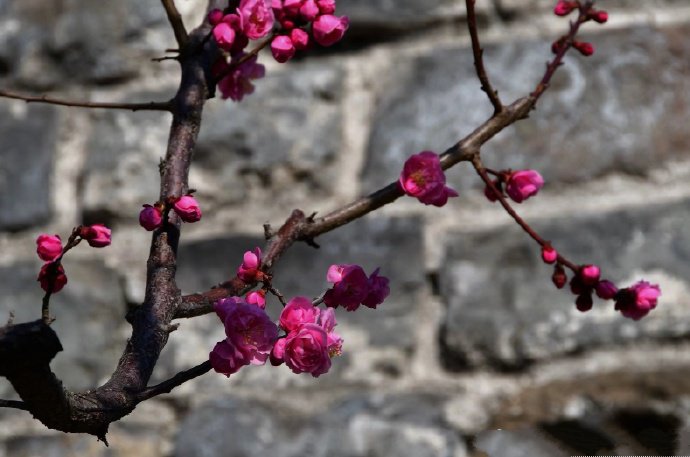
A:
(599, 16)
(584, 302)
(606, 290)
(329, 29)
(589, 274)
(559, 277)
(282, 48)
(586, 49)
(97, 235)
(52, 277)
(523, 184)
(151, 217)
(215, 16)
(187, 208)
(299, 38)
(549, 254)
(563, 8)
(48, 247)
(309, 10)
(489, 192)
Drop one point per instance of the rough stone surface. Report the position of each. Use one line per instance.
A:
(503, 308)
(26, 169)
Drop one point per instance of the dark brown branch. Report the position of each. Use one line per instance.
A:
(166, 387)
(479, 60)
(176, 23)
(200, 304)
(149, 106)
(13, 404)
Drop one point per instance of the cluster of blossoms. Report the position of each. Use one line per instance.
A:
(186, 207)
(49, 248)
(292, 24)
(564, 8)
(422, 177)
(304, 339)
(519, 185)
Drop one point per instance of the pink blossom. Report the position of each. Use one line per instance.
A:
(48, 247)
(298, 311)
(97, 235)
(151, 217)
(187, 208)
(638, 300)
(549, 254)
(326, 6)
(256, 18)
(335, 273)
(248, 328)
(52, 277)
(350, 291)
(306, 350)
(257, 297)
(227, 358)
(282, 48)
(378, 290)
(248, 270)
(309, 10)
(214, 16)
(586, 49)
(422, 177)
(224, 35)
(277, 355)
(327, 321)
(590, 274)
(523, 184)
(292, 7)
(329, 29)
(238, 82)
(606, 290)
(563, 8)
(299, 38)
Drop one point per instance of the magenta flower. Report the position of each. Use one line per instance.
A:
(238, 82)
(187, 208)
(151, 217)
(48, 247)
(299, 38)
(97, 235)
(226, 358)
(378, 290)
(329, 29)
(350, 290)
(297, 312)
(306, 350)
(292, 7)
(257, 297)
(224, 35)
(523, 184)
(423, 178)
(638, 300)
(309, 10)
(326, 6)
(282, 48)
(248, 270)
(327, 321)
(256, 18)
(52, 278)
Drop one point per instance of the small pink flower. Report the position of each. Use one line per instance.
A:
(52, 278)
(224, 35)
(549, 254)
(306, 350)
(298, 311)
(282, 48)
(226, 358)
(590, 274)
(606, 290)
(326, 6)
(586, 49)
(309, 10)
(48, 247)
(238, 82)
(277, 356)
(187, 208)
(350, 291)
(378, 290)
(638, 300)
(422, 177)
(151, 217)
(97, 235)
(329, 29)
(563, 8)
(248, 270)
(256, 18)
(215, 16)
(257, 297)
(299, 38)
(523, 184)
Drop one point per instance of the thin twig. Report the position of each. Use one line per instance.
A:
(150, 106)
(478, 59)
(13, 404)
(177, 380)
(176, 23)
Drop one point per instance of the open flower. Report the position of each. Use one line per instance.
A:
(256, 18)
(422, 177)
(637, 300)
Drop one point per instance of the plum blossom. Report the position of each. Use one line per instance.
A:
(282, 48)
(549, 254)
(329, 29)
(638, 300)
(606, 290)
(423, 178)
(249, 268)
(256, 18)
(378, 290)
(349, 290)
(151, 217)
(224, 35)
(187, 208)
(48, 247)
(97, 235)
(563, 8)
(236, 81)
(257, 297)
(298, 311)
(52, 277)
(523, 184)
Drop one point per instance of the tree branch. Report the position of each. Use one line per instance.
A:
(478, 58)
(149, 106)
(166, 387)
(13, 404)
(176, 23)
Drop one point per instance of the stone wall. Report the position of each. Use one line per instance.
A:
(473, 338)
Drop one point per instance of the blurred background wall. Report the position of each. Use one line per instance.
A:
(473, 338)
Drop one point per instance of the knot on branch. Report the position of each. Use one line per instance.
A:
(25, 345)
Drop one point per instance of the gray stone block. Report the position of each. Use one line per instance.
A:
(503, 308)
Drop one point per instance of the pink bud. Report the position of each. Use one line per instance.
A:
(48, 247)
(559, 277)
(282, 48)
(187, 208)
(257, 297)
(638, 300)
(215, 16)
(309, 10)
(563, 8)
(326, 6)
(590, 274)
(329, 29)
(586, 49)
(287, 24)
(606, 290)
(52, 277)
(549, 254)
(299, 38)
(523, 184)
(584, 302)
(249, 269)
(97, 235)
(599, 16)
(151, 217)
(224, 35)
